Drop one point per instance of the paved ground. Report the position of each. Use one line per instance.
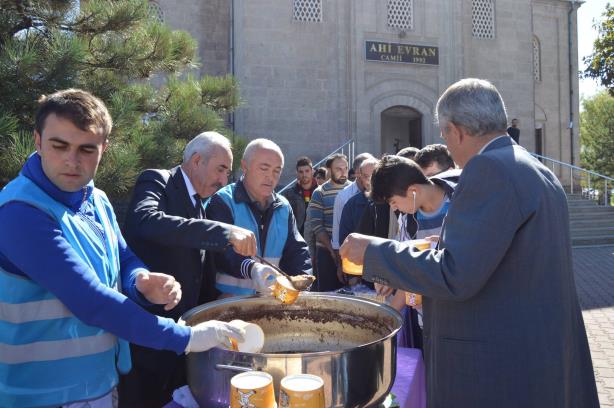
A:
(594, 269)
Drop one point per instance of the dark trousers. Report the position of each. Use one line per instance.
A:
(154, 376)
(326, 271)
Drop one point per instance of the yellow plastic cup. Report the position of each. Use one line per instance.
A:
(301, 391)
(413, 299)
(420, 244)
(350, 267)
(252, 389)
(284, 291)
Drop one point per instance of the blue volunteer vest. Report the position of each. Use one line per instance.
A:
(48, 357)
(277, 234)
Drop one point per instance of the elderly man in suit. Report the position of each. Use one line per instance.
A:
(165, 227)
(502, 323)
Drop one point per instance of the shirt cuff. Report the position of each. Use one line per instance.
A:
(132, 292)
(246, 268)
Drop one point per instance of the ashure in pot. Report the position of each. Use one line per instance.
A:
(349, 342)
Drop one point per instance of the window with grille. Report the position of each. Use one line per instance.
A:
(156, 11)
(537, 69)
(308, 10)
(401, 14)
(483, 18)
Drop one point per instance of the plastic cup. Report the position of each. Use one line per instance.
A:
(254, 337)
(252, 389)
(301, 391)
(420, 244)
(284, 291)
(350, 267)
(413, 299)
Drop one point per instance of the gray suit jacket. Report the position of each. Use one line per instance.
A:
(502, 323)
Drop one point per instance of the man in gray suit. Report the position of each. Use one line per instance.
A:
(502, 323)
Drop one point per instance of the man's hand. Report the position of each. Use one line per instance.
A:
(432, 238)
(243, 241)
(159, 288)
(264, 277)
(354, 248)
(213, 333)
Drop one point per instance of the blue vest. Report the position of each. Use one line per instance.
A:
(49, 357)
(277, 234)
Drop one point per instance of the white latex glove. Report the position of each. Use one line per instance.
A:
(213, 334)
(263, 277)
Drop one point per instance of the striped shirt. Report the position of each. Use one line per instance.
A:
(320, 210)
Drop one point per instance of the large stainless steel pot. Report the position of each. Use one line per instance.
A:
(348, 341)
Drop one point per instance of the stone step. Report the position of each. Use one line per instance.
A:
(597, 221)
(590, 224)
(598, 231)
(582, 203)
(592, 240)
(602, 210)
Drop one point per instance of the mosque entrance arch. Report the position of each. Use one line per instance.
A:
(401, 126)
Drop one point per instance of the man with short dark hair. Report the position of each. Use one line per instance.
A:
(503, 326)
(65, 323)
(434, 159)
(320, 175)
(320, 222)
(409, 152)
(299, 195)
(513, 131)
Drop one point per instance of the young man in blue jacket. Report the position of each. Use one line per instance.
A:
(64, 321)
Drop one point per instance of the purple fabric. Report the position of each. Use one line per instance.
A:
(409, 385)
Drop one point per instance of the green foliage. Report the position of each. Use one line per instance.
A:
(600, 64)
(597, 134)
(112, 48)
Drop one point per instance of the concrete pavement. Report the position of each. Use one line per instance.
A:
(594, 273)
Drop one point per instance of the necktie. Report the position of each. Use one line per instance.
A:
(198, 206)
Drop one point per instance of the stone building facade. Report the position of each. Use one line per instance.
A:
(315, 73)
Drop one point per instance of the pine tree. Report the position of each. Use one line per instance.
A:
(112, 48)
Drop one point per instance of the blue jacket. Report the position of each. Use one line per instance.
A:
(277, 237)
(351, 215)
(35, 251)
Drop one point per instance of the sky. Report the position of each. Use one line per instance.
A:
(590, 11)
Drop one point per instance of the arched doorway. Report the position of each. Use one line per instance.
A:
(401, 126)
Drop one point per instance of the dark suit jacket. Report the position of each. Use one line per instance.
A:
(161, 230)
(502, 324)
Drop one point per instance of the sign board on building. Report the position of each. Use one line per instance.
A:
(405, 53)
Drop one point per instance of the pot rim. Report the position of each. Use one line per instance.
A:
(351, 298)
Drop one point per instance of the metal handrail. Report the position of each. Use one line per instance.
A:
(573, 168)
(350, 147)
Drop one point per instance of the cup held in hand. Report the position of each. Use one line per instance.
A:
(284, 290)
(350, 267)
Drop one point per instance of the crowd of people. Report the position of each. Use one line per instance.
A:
(97, 307)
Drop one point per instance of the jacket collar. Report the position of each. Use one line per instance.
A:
(447, 180)
(182, 191)
(498, 143)
(240, 196)
(33, 169)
